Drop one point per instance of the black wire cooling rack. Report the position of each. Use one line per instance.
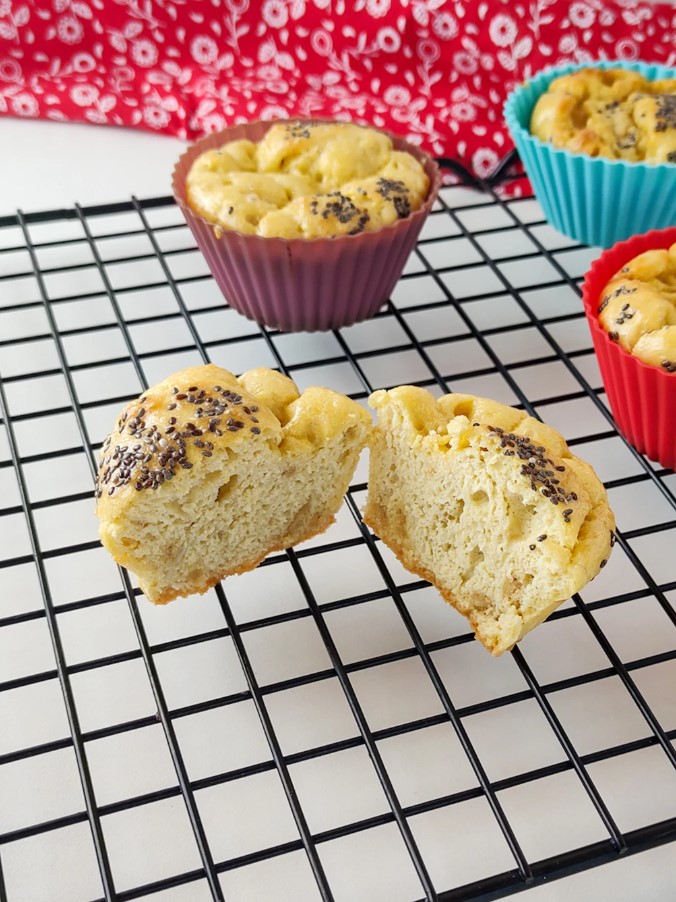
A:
(324, 727)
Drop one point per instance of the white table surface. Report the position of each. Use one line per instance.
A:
(46, 165)
(51, 165)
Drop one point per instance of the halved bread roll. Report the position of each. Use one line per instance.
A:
(488, 504)
(205, 474)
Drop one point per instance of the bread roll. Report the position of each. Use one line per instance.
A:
(613, 113)
(638, 307)
(488, 504)
(307, 180)
(205, 474)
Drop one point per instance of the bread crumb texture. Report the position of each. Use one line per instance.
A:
(307, 180)
(488, 504)
(205, 474)
(613, 113)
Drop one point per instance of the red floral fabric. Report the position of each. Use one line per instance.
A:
(435, 71)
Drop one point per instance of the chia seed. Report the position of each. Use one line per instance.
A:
(152, 457)
(534, 465)
(665, 114)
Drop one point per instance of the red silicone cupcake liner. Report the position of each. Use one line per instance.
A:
(303, 284)
(642, 398)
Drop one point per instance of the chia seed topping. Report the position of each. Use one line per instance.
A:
(665, 114)
(337, 206)
(539, 470)
(150, 457)
(626, 313)
(397, 192)
(387, 187)
(628, 141)
(402, 205)
(361, 223)
(622, 289)
(299, 129)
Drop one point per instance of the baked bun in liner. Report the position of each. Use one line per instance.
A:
(642, 397)
(303, 284)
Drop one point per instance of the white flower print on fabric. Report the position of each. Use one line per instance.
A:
(271, 112)
(84, 95)
(568, 43)
(83, 62)
(484, 161)
(204, 49)
(389, 40)
(10, 70)
(435, 71)
(581, 15)
(144, 53)
(428, 51)
(275, 13)
(445, 26)
(635, 16)
(397, 95)
(69, 30)
(25, 105)
(502, 30)
(321, 43)
(155, 116)
(463, 111)
(377, 8)
(626, 49)
(214, 122)
(465, 63)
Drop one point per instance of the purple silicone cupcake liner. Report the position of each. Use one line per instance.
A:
(303, 284)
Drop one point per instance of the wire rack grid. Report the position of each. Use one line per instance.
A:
(324, 727)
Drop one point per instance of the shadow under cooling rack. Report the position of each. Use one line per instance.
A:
(324, 727)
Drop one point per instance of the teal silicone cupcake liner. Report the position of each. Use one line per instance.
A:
(591, 199)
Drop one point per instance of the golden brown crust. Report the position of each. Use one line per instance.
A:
(173, 427)
(307, 180)
(205, 474)
(612, 113)
(638, 308)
